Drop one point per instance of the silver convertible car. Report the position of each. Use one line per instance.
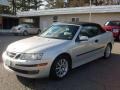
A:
(58, 49)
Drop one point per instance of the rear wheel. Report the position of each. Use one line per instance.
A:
(119, 38)
(107, 52)
(25, 33)
(60, 68)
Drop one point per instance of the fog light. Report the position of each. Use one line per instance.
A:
(42, 64)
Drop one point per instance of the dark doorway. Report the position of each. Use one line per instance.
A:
(8, 23)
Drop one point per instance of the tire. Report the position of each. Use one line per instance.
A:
(107, 52)
(25, 33)
(39, 31)
(119, 37)
(60, 68)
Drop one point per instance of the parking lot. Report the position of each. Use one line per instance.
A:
(100, 74)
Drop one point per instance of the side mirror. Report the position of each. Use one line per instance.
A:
(83, 38)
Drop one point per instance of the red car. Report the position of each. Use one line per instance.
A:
(114, 27)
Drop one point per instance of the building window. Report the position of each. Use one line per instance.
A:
(55, 18)
(75, 19)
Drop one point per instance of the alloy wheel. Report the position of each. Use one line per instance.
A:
(61, 68)
(25, 33)
(107, 51)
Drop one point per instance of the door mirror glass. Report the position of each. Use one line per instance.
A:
(83, 38)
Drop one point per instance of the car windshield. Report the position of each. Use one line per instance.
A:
(66, 32)
(113, 23)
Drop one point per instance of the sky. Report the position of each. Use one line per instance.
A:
(4, 2)
(44, 2)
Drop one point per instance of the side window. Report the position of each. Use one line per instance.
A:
(90, 31)
(31, 26)
(26, 26)
(75, 19)
(117, 23)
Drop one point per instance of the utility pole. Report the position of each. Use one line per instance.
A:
(14, 6)
(90, 13)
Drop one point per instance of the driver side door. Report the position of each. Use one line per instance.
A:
(84, 51)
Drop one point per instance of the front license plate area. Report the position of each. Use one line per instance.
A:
(9, 63)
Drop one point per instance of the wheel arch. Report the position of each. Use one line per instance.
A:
(67, 55)
(106, 52)
(26, 32)
(110, 45)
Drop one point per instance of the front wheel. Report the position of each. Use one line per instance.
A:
(25, 33)
(107, 52)
(60, 68)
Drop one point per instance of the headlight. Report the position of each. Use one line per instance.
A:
(115, 30)
(31, 56)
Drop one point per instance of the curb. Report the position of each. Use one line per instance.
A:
(6, 32)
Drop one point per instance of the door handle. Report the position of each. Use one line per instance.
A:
(96, 41)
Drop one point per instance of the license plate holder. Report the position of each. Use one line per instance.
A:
(9, 63)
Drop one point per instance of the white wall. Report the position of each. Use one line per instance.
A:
(46, 21)
(102, 18)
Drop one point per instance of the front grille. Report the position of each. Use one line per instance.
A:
(24, 71)
(10, 54)
(22, 65)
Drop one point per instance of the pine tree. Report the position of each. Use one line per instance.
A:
(21, 5)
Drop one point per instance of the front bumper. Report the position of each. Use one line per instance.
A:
(25, 68)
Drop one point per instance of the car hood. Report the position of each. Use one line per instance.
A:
(31, 43)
